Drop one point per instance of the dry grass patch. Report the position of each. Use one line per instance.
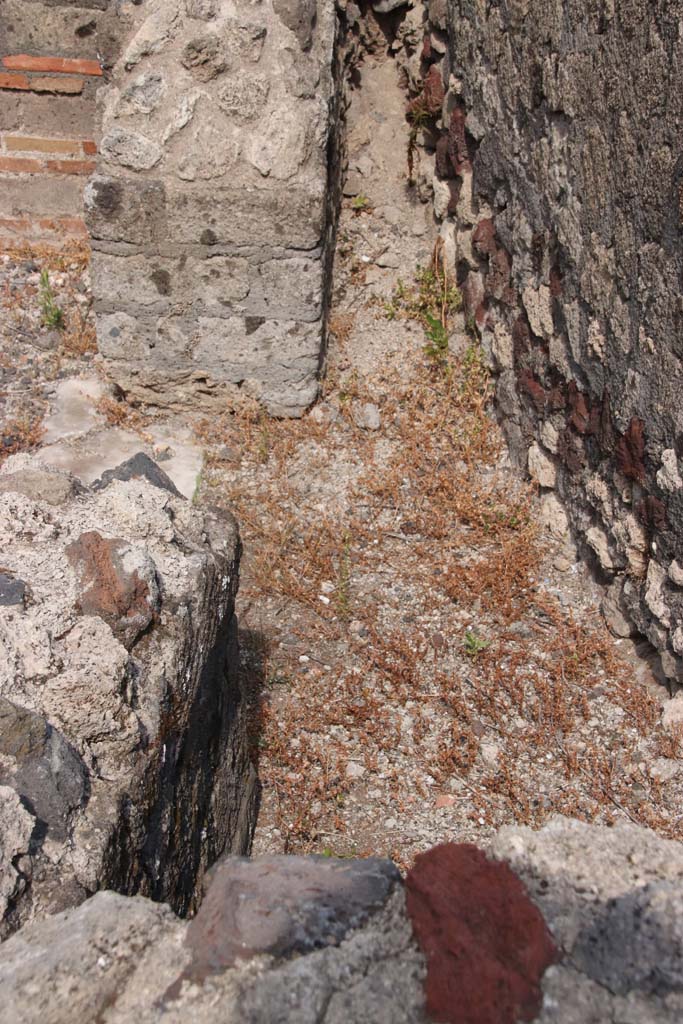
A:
(435, 657)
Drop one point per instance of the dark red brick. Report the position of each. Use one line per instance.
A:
(485, 942)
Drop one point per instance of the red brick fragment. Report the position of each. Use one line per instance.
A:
(485, 942)
(579, 413)
(442, 161)
(529, 386)
(20, 165)
(433, 90)
(484, 237)
(457, 140)
(10, 81)
(652, 513)
(89, 147)
(57, 65)
(118, 596)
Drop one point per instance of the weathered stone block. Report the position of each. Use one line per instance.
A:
(211, 203)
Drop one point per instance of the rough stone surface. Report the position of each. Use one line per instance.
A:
(117, 959)
(284, 905)
(121, 722)
(211, 212)
(561, 132)
(610, 897)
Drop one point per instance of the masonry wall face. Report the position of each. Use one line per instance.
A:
(54, 55)
(563, 146)
(208, 211)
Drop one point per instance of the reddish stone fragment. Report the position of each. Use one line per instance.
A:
(579, 413)
(631, 451)
(112, 590)
(652, 513)
(442, 163)
(484, 237)
(486, 944)
(521, 337)
(498, 278)
(433, 90)
(529, 385)
(457, 140)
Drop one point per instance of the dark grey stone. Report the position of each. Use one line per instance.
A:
(299, 17)
(284, 906)
(12, 591)
(137, 467)
(47, 773)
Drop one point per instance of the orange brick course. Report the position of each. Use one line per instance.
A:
(67, 86)
(71, 166)
(37, 144)
(30, 227)
(58, 65)
(20, 165)
(30, 165)
(10, 81)
(31, 144)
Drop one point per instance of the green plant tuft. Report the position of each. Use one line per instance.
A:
(474, 644)
(53, 315)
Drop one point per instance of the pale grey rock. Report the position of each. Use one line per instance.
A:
(130, 149)
(16, 829)
(542, 467)
(611, 897)
(118, 959)
(40, 483)
(366, 415)
(121, 722)
(615, 611)
(298, 16)
(668, 477)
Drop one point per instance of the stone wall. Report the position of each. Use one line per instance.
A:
(209, 213)
(561, 164)
(570, 924)
(123, 747)
(53, 55)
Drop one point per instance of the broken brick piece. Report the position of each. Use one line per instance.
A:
(118, 584)
(485, 942)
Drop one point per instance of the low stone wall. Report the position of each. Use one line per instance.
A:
(123, 747)
(559, 176)
(209, 213)
(574, 923)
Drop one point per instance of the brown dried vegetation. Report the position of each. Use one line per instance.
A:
(429, 513)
